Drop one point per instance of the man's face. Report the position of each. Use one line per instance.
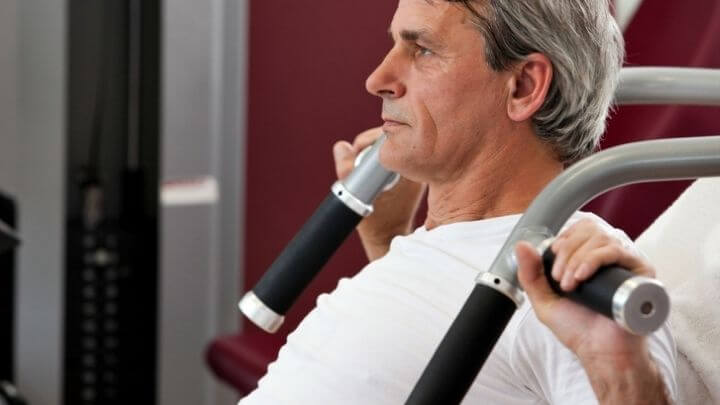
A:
(441, 102)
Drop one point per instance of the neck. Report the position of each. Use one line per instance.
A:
(502, 181)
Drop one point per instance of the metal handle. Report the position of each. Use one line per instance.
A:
(639, 304)
(464, 348)
(302, 259)
(667, 159)
(666, 85)
(299, 262)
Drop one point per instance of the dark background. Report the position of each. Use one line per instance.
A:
(308, 64)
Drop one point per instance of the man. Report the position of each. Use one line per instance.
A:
(484, 102)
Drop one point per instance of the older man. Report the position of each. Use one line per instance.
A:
(484, 102)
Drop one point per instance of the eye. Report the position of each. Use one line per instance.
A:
(422, 51)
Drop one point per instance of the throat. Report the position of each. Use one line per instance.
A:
(488, 192)
(450, 205)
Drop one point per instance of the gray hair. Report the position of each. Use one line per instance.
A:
(586, 48)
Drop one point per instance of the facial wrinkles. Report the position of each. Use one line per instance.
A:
(478, 118)
(434, 10)
(438, 19)
(476, 185)
(424, 105)
(467, 115)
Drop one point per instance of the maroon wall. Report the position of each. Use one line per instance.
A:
(308, 64)
(663, 33)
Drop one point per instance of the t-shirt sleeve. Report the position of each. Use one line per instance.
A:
(554, 373)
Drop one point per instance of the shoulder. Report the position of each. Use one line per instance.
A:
(541, 363)
(550, 370)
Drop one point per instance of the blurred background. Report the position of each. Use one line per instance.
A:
(155, 157)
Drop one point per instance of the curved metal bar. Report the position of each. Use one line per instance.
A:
(487, 311)
(322, 234)
(665, 85)
(647, 161)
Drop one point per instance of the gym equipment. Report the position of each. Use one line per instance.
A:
(349, 201)
(640, 305)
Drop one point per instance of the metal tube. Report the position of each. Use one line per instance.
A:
(647, 161)
(663, 85)
(337, 216)
(669, 159)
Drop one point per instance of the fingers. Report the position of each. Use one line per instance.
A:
(344, 156)
(577, 262)
(532, 278)
(344, 152)
(584, 248)
(366, 138)
(566, 246)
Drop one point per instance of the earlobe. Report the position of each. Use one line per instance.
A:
(528, 87)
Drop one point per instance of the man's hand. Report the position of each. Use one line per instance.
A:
(394, 209)
(618, 363)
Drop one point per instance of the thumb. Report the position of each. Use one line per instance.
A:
(531, 275)
(344, 156)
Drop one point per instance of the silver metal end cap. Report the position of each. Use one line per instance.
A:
(502, 286)
(350, 201)
(259, 313)
(641, 305)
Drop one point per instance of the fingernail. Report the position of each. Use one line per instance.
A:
(557, 270)
(340, 151)
(566, 281)
(524, 264)
(582, 272)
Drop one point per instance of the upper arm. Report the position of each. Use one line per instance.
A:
(547, 367)
(555, 374)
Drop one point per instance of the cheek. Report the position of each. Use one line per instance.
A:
(472, 107)
(448, 112)
(452, 104)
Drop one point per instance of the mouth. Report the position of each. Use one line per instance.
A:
(389, 123)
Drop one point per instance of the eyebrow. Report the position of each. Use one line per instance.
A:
(414, 35)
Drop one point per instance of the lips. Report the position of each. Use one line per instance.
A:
(392, 121)
(393, 116)
(389, 126)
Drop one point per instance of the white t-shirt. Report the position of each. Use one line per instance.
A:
(368, 341)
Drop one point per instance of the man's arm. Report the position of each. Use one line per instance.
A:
(394, 209)
(632, 379)
(617, 363)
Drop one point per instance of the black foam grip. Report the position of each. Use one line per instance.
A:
(464, 349)
(596, 292)
(306, 254)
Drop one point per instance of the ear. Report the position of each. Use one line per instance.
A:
(528, 86)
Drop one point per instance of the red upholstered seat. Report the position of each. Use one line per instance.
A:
(241, 359)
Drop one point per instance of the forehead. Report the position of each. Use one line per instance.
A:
(437, 16)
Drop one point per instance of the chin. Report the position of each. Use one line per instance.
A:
(389, 156)
(399, 163)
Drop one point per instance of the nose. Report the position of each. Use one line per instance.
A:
(386, 80)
